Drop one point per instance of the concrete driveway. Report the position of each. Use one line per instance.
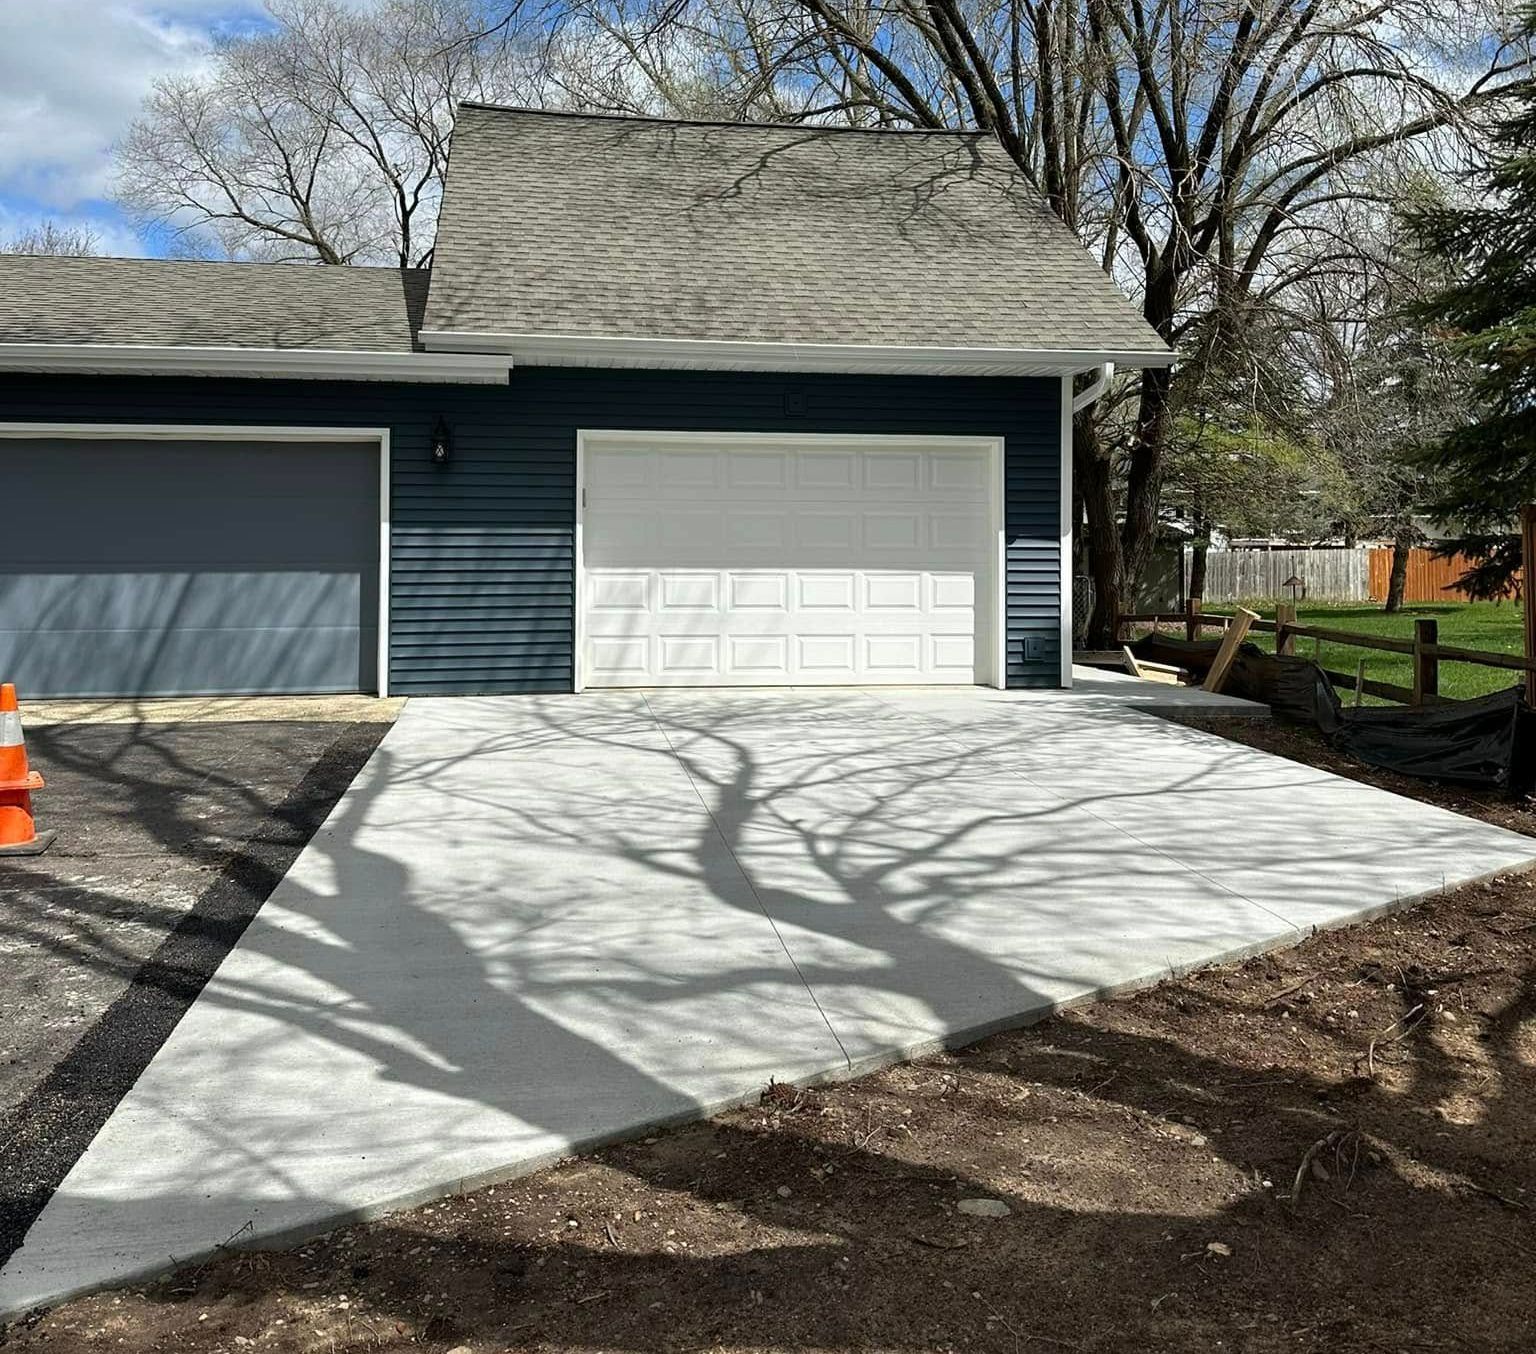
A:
(535, 923)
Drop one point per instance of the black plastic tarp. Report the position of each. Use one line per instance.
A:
(1485, 741)
(1489, 741)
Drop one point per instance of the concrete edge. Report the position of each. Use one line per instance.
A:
(283, 1238)
(1170, 711)
(829, 1075)
(1116, 686)
(1249, 710)
(1378, 910)
(1287, 938)
(54, 711)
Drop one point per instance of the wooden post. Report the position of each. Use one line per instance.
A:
(1192, 619)
(1426, 666)
(1285, 641)
(1527, 592)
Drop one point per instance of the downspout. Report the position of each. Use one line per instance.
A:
(1069, 406)
(1070, 409)
(1100, 384)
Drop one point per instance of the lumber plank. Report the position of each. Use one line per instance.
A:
(1233, 636)
(1148, 671)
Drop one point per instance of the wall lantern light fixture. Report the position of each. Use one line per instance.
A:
(442, 443)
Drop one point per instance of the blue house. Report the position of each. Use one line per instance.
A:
(677, 404)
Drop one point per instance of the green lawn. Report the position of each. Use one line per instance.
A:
(1497, 626)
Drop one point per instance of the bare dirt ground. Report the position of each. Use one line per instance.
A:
(1326, 1149)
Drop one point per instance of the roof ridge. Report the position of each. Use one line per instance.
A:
(352, 268)
(575, 115)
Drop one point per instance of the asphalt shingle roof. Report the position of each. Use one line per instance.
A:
(635, 228)
(208, 305)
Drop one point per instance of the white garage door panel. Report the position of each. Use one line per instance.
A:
(798, 561)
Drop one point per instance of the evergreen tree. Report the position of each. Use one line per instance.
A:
(1486, 316)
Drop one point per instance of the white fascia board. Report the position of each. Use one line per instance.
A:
(711, 354)
(295, 363)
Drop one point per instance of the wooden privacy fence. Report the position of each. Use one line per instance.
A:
(1424, 649)
(1328, 575)
(1430, 579)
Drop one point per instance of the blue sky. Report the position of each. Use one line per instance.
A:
(72, 73)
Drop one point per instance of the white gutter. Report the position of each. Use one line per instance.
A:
(1084, 398)
(614, 351)
(308, 364)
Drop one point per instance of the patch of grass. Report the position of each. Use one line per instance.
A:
(1495, 626)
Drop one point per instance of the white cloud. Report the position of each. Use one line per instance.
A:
(114, 236)
(72, 74)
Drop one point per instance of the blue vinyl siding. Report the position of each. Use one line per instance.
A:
(482, 550)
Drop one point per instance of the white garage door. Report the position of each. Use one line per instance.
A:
(734, 561)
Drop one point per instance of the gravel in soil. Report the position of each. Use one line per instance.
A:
(1328, 1148)
(148, 817)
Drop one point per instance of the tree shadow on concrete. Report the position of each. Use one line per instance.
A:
(1114, 1200)
(496, 999)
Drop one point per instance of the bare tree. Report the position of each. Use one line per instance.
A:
(1387, 398)
(1220, 157)
(1212, 153)
(1243, 458)
(324, 139)
(50, 237)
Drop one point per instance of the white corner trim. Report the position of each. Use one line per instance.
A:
(315, 364)
(998, 456)
(1068, 590)
(711, 354)
(386, 482)
(251, 432)
(578, 572)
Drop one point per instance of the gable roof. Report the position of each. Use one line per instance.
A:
(210, 305)
(590, 233)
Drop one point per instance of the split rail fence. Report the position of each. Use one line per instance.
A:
(1425, 650)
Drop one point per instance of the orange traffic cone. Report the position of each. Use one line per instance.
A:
(18, 830)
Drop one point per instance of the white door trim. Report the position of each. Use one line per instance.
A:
(587, 438)
(248, 432)
(579, 580)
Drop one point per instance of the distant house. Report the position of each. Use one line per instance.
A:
(679, 403)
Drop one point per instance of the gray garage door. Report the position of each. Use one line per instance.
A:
(169, 568)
